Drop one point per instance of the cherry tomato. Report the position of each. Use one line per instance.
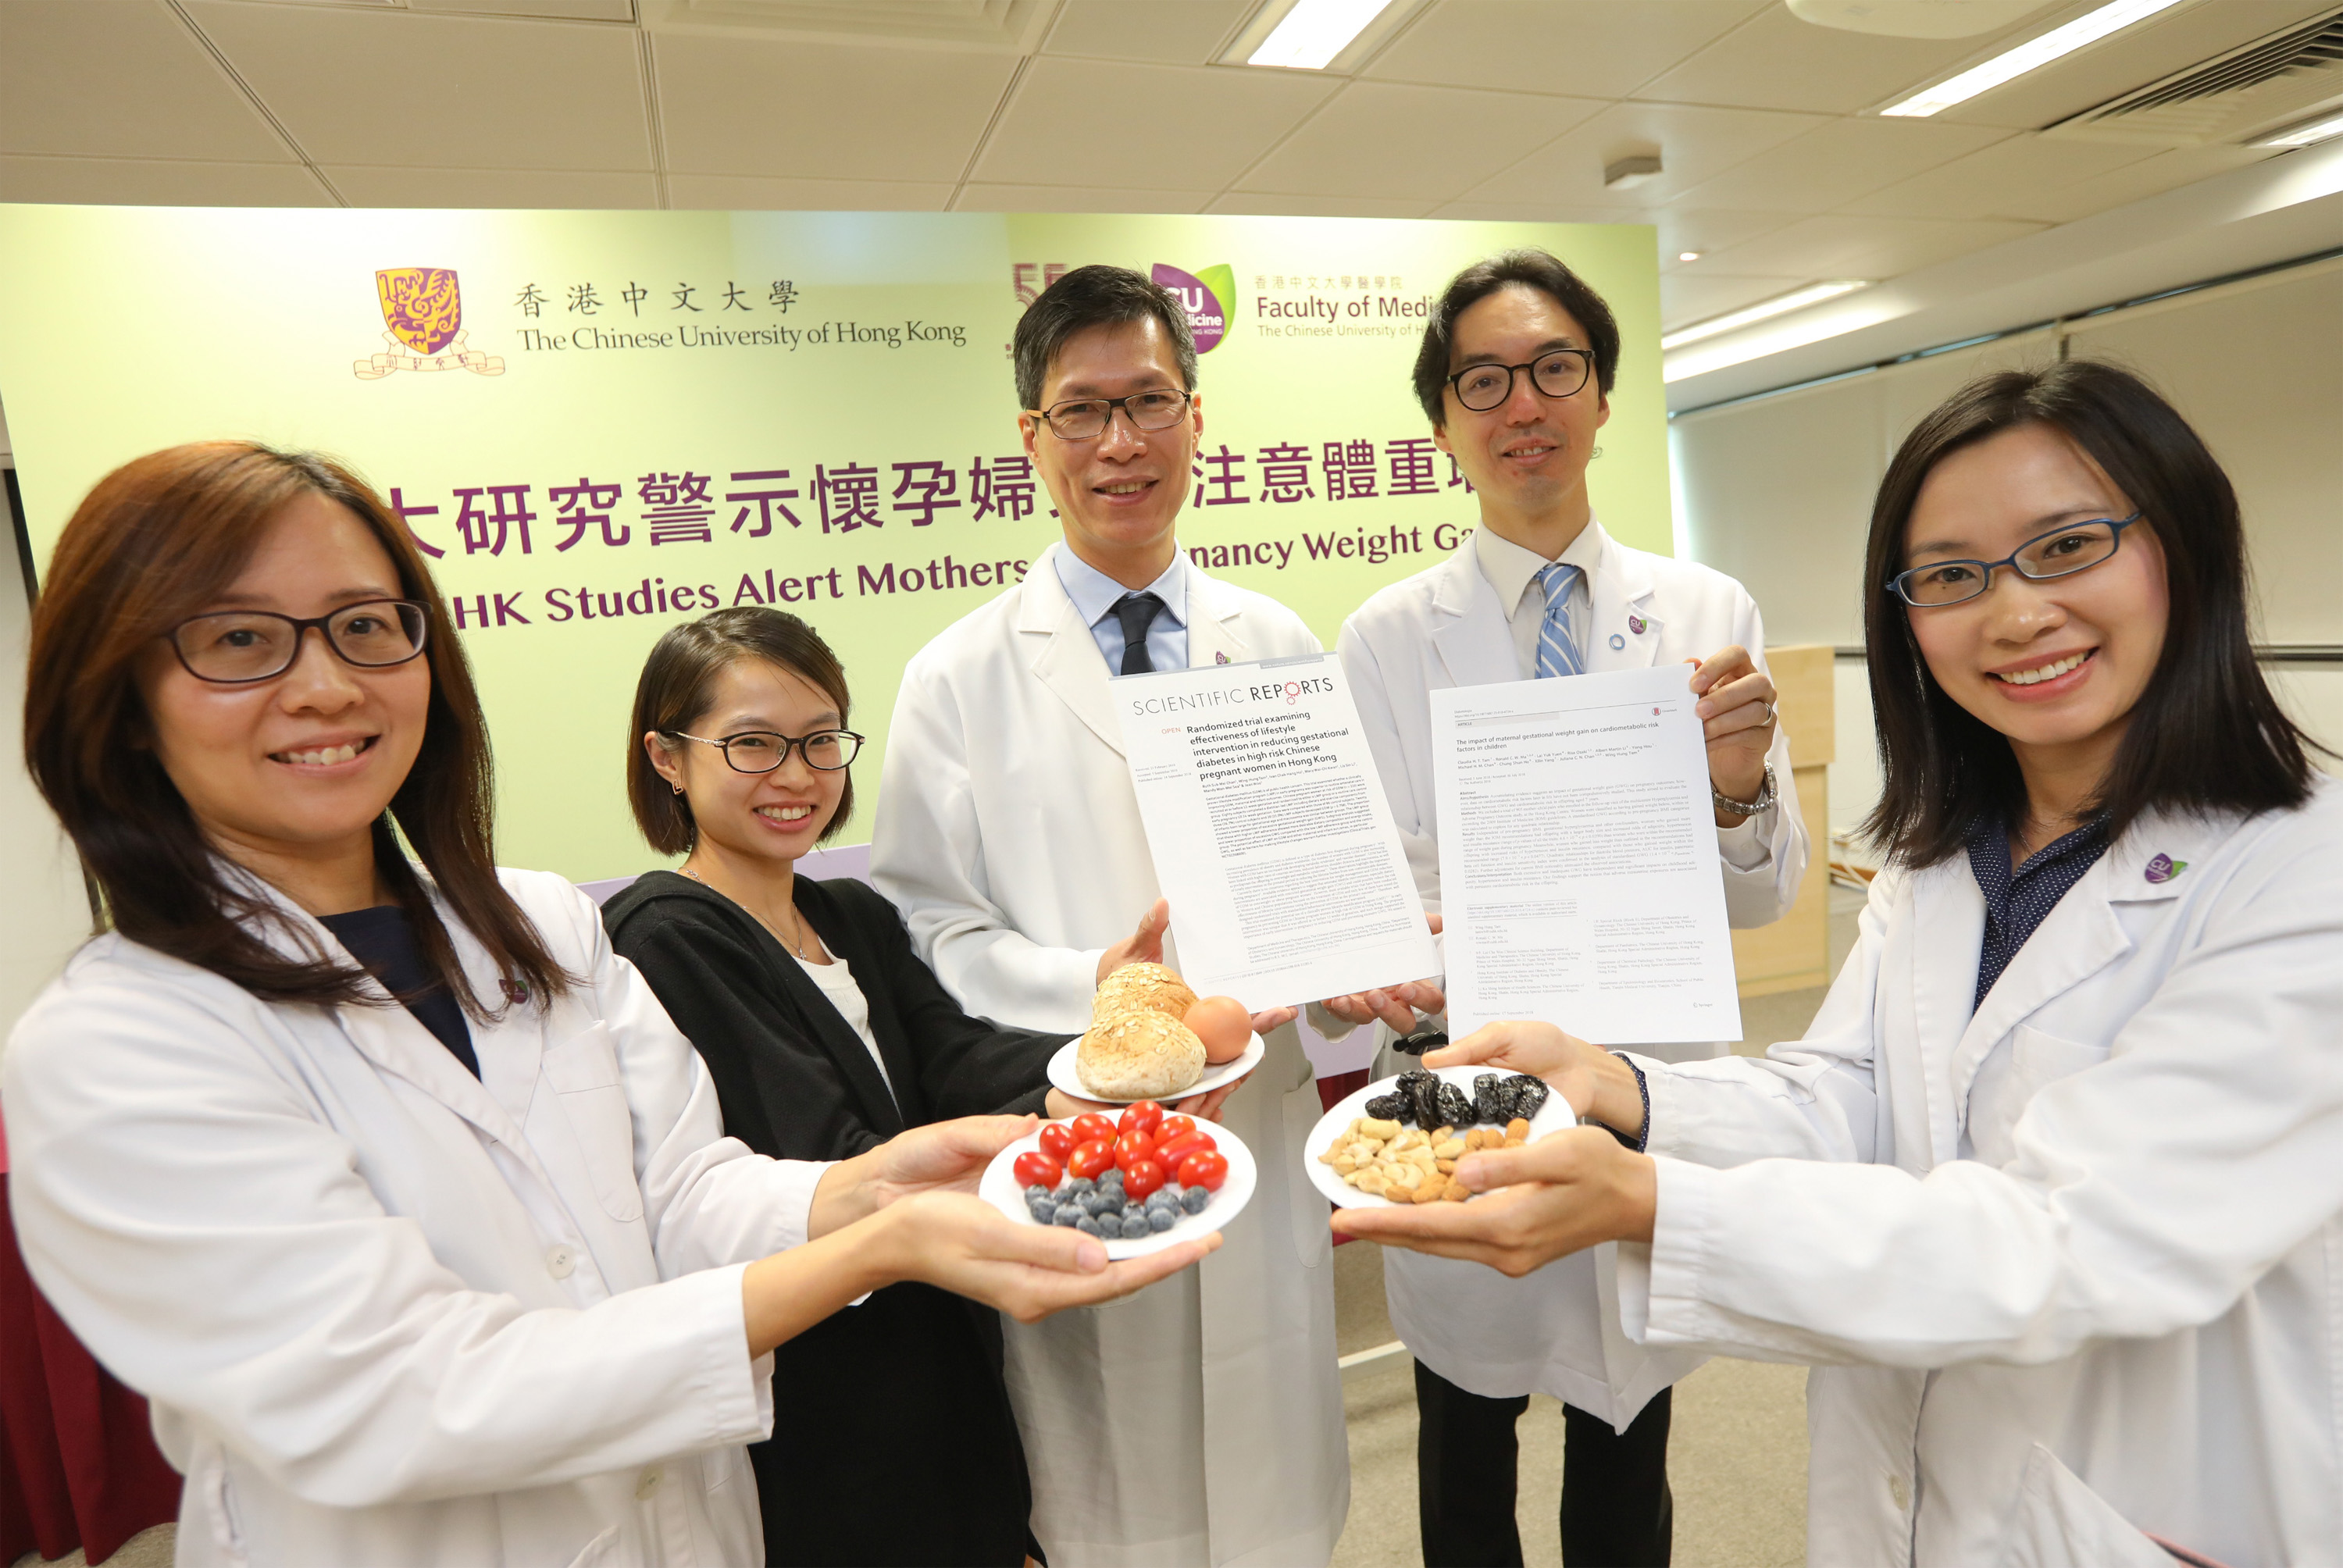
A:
(1131, 1148)
(1180, 1148)
(1140, 1116)
(1141, 1177)
(1057, 1141)
(1173, 1126)
(1090, 1125)
(1036, 1169)
(1207, 1169)
(1091, 1158)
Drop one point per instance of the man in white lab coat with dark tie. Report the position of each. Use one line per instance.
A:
(1202, 1420)
(1514, 373)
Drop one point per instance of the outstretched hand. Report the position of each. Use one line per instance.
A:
(964, 1245)
(1594, 1081)
(1396, 1005)
(1567, 1191)
(1143, 946)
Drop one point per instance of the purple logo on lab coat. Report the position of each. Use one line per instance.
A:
(2164, 868)
(1220, 658)
(1637, 623)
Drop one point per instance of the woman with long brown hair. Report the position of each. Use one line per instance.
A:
(391, 1187)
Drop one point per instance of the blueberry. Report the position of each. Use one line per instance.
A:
(1194, 1199)
(1134, 1227)
(1162, 1220)
(1111, 1177)
(1080, 1184)
(1043, 1209)
(1087, 1225)
(1097, 1202)
(1036, 1190)
(1160, 1199)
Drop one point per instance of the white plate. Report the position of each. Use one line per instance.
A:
(999, 1189)
(1064, 1075)
(1551, 1116)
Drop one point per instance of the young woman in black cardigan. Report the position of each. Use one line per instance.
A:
(825, 1035)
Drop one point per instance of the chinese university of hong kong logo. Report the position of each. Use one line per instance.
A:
(423, 312)
(1210, 297)
(2164, 868)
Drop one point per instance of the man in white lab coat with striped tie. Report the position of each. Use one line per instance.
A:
(1514, 373)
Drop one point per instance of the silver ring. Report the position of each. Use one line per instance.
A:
(1769, 713)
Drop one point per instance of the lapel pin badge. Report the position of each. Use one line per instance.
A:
(1637, 623)
(1219, 657)
(1618, 642)
(2164, 868)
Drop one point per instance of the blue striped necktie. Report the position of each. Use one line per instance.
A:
(1557, 650)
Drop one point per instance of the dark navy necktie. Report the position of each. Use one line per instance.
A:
(1136, 611)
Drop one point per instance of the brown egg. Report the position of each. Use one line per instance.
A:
(1223, 1025)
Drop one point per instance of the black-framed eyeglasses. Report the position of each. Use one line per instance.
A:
(232, 647)
(1084, 419)
(1557, 373)
(762, 750)
(2061, 552)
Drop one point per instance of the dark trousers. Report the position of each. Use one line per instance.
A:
(1616, 1511)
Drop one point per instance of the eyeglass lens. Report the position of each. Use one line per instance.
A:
(1558, 374)
(1085, 418)
(2051, 556)
(757, 752)
(253, 645)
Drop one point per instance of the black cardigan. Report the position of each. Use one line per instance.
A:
(795, 1080)
(892, 1437)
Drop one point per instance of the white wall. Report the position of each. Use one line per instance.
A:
(1777, 491)
(44, 912)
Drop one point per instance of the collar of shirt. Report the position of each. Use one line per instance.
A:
(1512, 570)
(2018, 901)
(1095, 594)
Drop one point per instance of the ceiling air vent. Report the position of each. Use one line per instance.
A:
(2224, 98)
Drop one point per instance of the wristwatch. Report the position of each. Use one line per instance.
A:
(1765, 796)
(1419, 1042)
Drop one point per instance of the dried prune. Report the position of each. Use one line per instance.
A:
(1455, 1107)
(1424, 1101)
(1388, 1107)
(1529, 1095)
(1488, 1099)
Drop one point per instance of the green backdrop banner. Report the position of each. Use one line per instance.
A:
(600, 423)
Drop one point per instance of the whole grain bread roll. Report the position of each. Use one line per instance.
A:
(1149, 988)
(1139, 1055)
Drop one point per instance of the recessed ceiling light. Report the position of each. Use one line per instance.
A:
(1625, 174)
(1687, 255)
(2030, 56)
(2303, 135)
(1314, 32)
(1763, 310)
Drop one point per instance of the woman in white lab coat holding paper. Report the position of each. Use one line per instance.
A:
(390, 1185)
(2052, 1191)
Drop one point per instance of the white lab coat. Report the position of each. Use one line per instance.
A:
(1008, 834)
(1552, 1332)
(389, 1313)
(2075, 1260)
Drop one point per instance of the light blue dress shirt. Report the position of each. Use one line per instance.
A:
(1095, 594)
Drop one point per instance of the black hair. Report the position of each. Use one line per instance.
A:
(1536, 269)
(1088, 297)
(2207, 735)
(678, 682)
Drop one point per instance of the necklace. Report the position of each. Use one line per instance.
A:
(796, 946)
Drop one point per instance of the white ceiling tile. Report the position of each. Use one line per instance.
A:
(1837, 245)
(1773, 61)
(142, 182)
(1378, 139)
(1684, 298)
(1077, 198)
(1072, 123)
(121, 78)
(1594, 48)
(2139, 54)
(401, 187)
(1482, 209)
(751, 193)
(1273, 205)
(790, 109)
(1708, 230)
(1172, 32)
(573, 10)
(1986, 182)
(1838, 162)
(2133, 182)
(1694, 145)
(497, 94)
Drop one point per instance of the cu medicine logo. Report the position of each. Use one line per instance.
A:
(1209, 297)
(423, 312)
